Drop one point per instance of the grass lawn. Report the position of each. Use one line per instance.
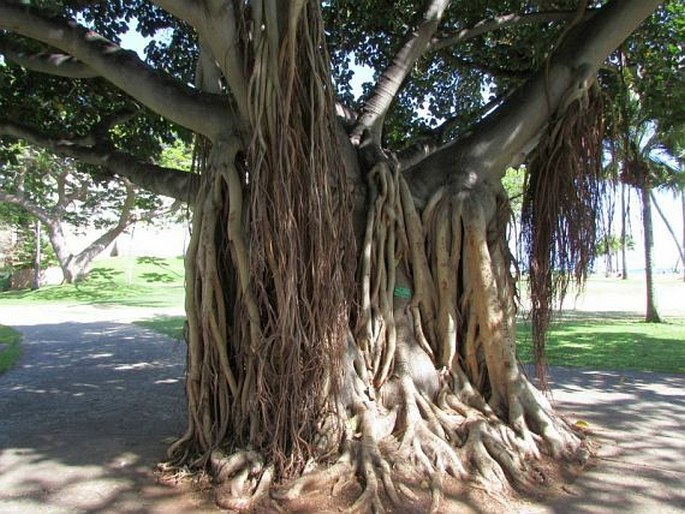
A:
(171, 326)
(600, 341)
(9, 347)
(605, 332)
(128, 281)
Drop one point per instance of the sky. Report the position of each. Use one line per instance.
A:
(665, 249)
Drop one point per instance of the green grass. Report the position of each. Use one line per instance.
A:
(127, 281)
(171, 326)
(9, 347)
(599, 341)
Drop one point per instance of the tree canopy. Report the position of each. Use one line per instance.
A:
(458, 65)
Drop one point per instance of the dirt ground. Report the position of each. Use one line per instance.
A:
(93, 402)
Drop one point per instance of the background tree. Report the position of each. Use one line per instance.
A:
(19, 244)
(53, 191)
(349, 298)
(673, 140)
(645, 167)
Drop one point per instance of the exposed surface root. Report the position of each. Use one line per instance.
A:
(242, 479)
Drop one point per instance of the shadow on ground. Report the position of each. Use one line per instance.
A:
(90, 409)
(87, 413)
(638, 420)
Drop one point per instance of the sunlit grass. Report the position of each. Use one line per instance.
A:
(9, 347)
(128, 281)
(171, 326)
(598, 340)
(592, 341)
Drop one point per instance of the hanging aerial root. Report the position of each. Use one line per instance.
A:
(562, 201)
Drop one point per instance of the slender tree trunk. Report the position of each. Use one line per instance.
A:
(681, 251)
(624, 259)
(651, 316)
(37, 257)
(682, 200)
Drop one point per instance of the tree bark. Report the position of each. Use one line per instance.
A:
(59, 245)
(651, 314)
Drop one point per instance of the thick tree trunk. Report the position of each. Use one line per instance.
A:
(424, 385)
(297, 372)
(59, 245)
(651, 314)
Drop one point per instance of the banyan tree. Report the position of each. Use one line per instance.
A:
(351, 295)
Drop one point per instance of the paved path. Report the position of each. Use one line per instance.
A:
(89, 408)
(87, 412)
(639, 419)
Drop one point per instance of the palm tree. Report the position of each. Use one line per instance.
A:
(649, 162)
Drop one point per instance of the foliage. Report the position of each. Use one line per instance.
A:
(514, 183)
(178, 155)
(22, 228)
(446, 86)
(609, 244)
(660, 84)
(58, 187)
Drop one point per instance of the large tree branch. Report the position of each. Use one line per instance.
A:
(46, 62)
(499, 22)
(165, 181)
(20, 200)
(217, 24)
(220, 28)
(187, 10)
(505, 136)
(200, 112)
(389, 83)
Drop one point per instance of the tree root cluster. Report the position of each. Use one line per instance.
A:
(431, 389)
(287, 383)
